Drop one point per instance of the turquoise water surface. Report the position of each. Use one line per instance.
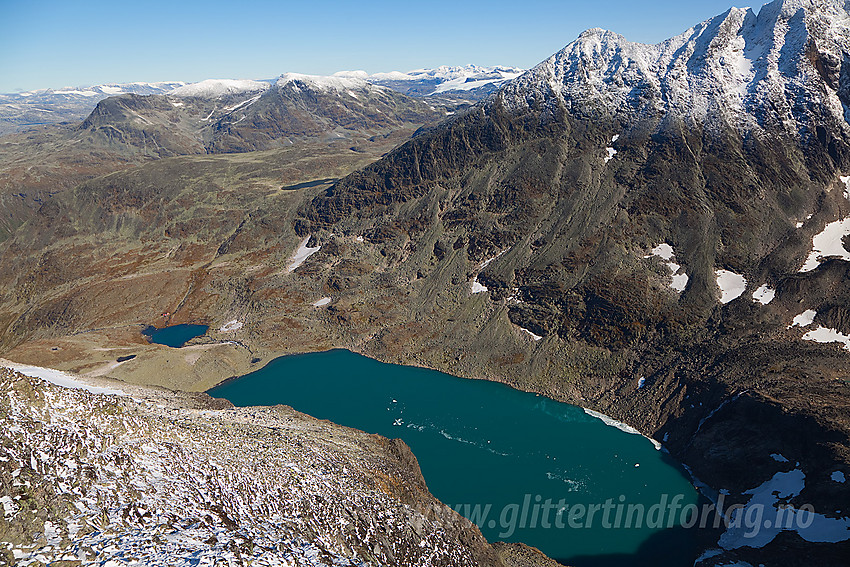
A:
(175, 335)
(517, 464)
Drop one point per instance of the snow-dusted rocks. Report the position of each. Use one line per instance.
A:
(171, 481)
(58, 378)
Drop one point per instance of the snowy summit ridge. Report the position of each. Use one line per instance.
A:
(730, 68)
(215, 88)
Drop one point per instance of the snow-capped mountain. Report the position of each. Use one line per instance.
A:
(217, 88)
(471, 81)
(776, 68)
(20, 111)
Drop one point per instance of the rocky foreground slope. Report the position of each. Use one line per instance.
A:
(166, 479)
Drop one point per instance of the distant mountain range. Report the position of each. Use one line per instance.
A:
(20, 111)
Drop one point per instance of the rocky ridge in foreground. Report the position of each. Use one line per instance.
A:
(170, 479)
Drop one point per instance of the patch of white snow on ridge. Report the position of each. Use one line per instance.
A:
(304, 251)
(731, 285)
(764, 503)
(322, 302)
(846, 181)
(838, 476)
(478, 287)
(215, 88)
(58, 377)
(764, 294)
(828, 243)
(679, 281)
(827, 335)
(804, 319)
(234, 325)
(611, 151)
(531, 334)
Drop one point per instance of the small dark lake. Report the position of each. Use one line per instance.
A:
(174, 336)
(521, 466)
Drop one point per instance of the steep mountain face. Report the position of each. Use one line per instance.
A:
(722, 152)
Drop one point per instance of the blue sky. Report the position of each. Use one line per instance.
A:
(48, 43)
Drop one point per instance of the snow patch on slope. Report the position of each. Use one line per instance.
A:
(764, 294)
(57, 377)
(764, 502)
(804, 319)
(731, 285)
(827, 335)
(304, 251)
(828, 243)
(679, 279)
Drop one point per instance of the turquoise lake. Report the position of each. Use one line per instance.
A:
(174, 336)
(517, 464)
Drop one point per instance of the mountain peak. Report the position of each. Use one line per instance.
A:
(738, 68)
(324, 83)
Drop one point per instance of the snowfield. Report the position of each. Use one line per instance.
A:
(731, 285)
(304, 251)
